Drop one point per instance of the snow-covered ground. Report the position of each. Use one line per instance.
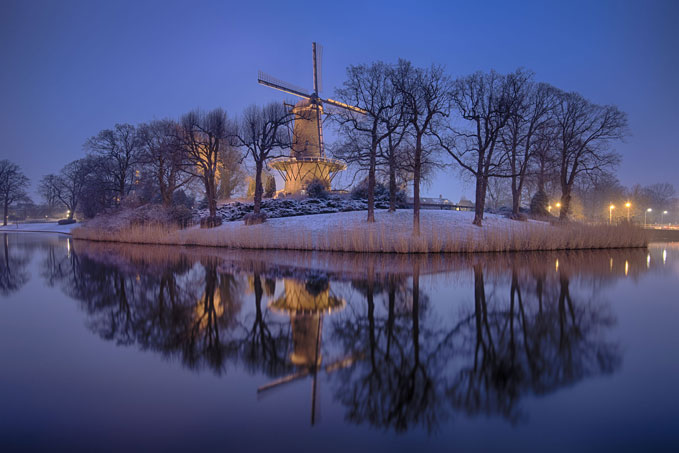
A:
(400, 220)
(40, 227)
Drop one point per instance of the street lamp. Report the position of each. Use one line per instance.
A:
(549, 208)
(663, 217)
(628, 205)
(648, 210)
(610, 214)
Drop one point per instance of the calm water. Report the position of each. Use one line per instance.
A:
(150, 348)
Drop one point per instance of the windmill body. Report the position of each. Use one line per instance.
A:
(307, 160)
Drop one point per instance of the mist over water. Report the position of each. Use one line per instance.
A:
(112, 347)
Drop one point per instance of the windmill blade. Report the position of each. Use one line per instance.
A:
(283, 380)
(345, 106)
(272, 82)
(319, 123)
(318, 67)
(343, 362)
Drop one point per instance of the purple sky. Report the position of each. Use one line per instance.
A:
(70, 69)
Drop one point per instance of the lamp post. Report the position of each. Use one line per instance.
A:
(628, 205)
(610, 214)
(646, 211)
(663, 217)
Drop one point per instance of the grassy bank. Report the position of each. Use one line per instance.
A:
(348, 232)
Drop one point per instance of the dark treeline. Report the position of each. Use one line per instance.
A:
(492, 126)
(515, 138)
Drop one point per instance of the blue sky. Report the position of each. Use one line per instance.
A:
(70, 69)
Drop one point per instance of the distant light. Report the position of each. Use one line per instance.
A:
(611, 207)
(649, 210)
(556, 265)
(628, 204)
(626, 267)
(664, 212)
(664, 256)
(558, 205)
(648, 261)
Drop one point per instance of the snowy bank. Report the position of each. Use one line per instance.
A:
(46, 227)
(441, 231)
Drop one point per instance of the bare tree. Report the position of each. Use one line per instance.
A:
(13, 184)
(121, 148)
(584, 133)
(426, 100)
(47, 192)
(163, 156)
(263, 135)
(520, 138)
(392, 155)
(203, 136)
(69, 185)
(369, 87)
(487, 101)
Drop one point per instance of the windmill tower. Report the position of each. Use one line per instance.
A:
(307, 159)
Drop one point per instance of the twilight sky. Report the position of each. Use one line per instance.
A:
(70, 69)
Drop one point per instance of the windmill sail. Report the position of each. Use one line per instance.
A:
(265, 79)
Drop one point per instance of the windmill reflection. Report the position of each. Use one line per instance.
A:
(306, 302)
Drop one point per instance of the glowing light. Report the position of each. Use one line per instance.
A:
(626, 267)
(610, 214)
(664, 256)
(628, 204)
(556, 265)
(558, 205)
(611, 265)
(648, 261)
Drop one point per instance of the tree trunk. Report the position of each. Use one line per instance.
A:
(210, 194)
(259, 166)
(480, 204)
(416, 186)
(392, 182)
(516, 197)
(6, 213)
(565, 203)
(371, 184)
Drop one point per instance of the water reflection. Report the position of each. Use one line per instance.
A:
(13, 266)
(397, 351)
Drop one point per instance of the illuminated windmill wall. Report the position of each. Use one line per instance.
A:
(307, 159)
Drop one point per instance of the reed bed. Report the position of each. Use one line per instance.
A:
(382, 237)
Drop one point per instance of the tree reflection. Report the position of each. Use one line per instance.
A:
(528, 334)
(400, 358)
(395, 386)
(13, 266)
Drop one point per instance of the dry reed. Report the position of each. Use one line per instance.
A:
(382, 238)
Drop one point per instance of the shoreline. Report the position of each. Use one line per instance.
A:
(441, 232)
(47, 227)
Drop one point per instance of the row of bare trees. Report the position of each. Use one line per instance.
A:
(161, 157)
(491, 125)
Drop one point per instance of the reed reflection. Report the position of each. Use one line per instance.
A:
(399, 355)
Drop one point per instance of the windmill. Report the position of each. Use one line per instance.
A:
(307, 160)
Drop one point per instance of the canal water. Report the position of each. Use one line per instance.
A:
(120, 347)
